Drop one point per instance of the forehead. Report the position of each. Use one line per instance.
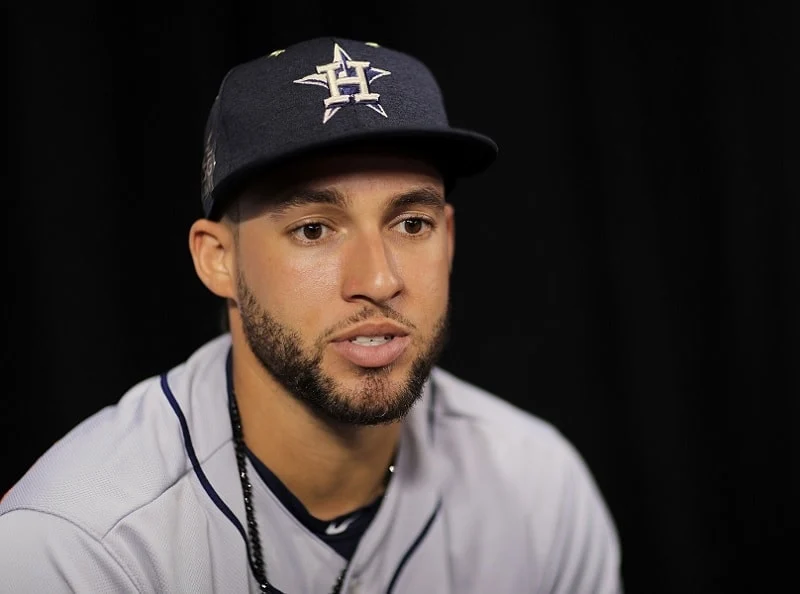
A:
(351, 173)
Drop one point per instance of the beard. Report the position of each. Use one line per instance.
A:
(377, 400)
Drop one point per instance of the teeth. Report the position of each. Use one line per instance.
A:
(370, 340)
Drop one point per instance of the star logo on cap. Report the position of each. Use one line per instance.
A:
(347, 82)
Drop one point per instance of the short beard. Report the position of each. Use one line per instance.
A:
(376, 402)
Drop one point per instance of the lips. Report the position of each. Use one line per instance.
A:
(372, 344)
(373, 329)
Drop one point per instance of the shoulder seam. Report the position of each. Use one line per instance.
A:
(166, 489)
(99, 541)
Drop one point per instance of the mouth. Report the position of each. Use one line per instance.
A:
(372, 333)
(371, 341)
(373, 346)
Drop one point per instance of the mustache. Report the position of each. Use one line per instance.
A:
(368, 313)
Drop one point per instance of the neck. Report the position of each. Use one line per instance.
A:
(332, 469)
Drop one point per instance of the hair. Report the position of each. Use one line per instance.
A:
(230, 217)
(224, 318)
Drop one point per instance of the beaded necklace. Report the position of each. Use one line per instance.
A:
(254, 553)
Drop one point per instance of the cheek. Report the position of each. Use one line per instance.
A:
(428, 283)
(314, 279)
(285, 282)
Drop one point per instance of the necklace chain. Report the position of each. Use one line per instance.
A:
(255, 555)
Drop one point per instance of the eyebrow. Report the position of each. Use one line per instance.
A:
(298, 197)
(424, 196)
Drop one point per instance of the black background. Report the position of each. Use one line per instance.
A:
(628, 270)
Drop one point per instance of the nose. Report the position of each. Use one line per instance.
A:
(370, 270)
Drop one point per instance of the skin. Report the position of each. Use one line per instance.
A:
(297, 274)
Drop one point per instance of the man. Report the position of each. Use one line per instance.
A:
(316, 447)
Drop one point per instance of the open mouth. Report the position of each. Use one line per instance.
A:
(371, 340)
(372, 350)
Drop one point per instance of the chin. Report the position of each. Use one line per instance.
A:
(370, 395)
(355, 379)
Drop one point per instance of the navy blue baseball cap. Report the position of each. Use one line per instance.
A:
(323, 94)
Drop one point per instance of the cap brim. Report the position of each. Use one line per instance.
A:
(455, 152)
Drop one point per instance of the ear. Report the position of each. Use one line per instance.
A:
(213, 252)
(450, 218)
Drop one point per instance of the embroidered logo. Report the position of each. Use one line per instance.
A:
(209, 163)
(334, 528)
(348, 83)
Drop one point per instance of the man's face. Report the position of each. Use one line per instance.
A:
(343, 282)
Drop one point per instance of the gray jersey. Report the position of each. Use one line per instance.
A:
(145, 496)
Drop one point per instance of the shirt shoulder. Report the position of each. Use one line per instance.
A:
(524, 450)
(503, 444)
(503, 423)
(48, 553)
(123, 457)
(508, 454)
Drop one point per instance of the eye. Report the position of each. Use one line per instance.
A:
(310, 232)
(414, 225)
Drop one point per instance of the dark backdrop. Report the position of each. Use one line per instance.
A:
(628, 270)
